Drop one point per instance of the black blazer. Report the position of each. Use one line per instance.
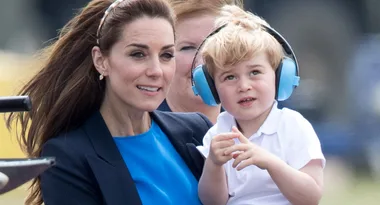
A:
(90, 170)
(165, 107)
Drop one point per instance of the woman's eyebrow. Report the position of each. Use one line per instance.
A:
(138, 45)
(147, 47)
(167, 46)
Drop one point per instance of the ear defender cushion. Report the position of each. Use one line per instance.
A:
(278, 75)
(204, 86)
(286, 79)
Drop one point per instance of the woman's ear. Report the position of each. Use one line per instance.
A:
(99, 61)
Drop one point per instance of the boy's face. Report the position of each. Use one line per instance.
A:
(247, 89)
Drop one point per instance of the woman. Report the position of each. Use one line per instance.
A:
(93, 109)
(195, 20)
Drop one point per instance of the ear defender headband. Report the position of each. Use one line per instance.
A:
(287, 73)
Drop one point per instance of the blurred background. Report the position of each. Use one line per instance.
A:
(337, 43)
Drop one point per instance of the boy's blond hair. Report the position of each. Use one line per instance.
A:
(242, 39)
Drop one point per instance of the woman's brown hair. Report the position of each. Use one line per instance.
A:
(67, 90)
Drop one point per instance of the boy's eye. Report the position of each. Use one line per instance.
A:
(229, 77)
(255, 72)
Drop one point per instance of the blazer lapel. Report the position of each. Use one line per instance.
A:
(181, 137)
(178, 134)
(109, 168)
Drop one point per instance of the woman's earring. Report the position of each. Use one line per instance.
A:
(101, 76)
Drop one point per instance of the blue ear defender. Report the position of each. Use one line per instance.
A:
(202, 82)
(286, 79)
(287, 73)
(205, 86)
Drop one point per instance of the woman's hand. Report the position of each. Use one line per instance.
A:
(247, 153)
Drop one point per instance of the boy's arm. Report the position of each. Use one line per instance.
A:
(300, 178)
(212, 186)
(300, 187)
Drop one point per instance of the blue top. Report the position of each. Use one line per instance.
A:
(159, 173)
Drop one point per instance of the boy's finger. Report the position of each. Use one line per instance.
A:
(242, 157)
(244, 164)
(226, 136)
(241, 137)
(236, 147)
(224, 144)
(235, 155)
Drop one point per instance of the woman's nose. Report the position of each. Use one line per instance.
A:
(154, 69)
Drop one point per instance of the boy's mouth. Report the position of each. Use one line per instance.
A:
(247, 99)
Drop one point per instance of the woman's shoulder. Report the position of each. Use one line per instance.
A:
(73, 142)
(189, 118)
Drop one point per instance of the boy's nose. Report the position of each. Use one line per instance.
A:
(244, 85)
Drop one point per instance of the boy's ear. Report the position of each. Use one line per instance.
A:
(99, 61)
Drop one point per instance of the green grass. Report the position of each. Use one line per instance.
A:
(363, 192)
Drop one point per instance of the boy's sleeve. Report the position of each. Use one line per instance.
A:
(304, 144)
(204, 149)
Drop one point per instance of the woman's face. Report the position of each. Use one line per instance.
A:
(140, 66)
(190, 31)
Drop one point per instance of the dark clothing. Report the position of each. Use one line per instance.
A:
(90, 169)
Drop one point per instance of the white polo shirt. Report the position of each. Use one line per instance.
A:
(286, 134)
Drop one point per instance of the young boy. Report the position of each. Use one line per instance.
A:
(255, 153)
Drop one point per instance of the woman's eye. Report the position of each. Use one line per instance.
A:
(167, 56)
(137, 54)
(187, 48)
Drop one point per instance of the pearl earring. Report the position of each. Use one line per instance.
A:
(101, 76)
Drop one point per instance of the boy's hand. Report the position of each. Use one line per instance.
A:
(218, 146)
(249, 153)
